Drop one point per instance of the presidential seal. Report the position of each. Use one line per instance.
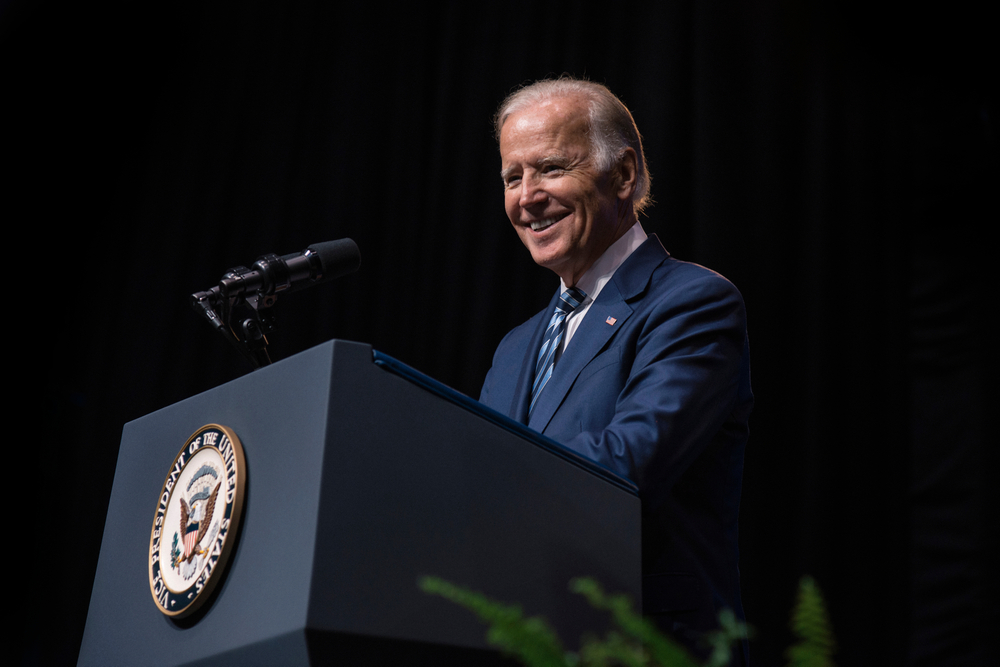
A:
(197, 516)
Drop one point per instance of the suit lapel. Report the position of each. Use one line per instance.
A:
(590, 338)
(606, 316)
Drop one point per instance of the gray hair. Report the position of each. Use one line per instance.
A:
(612, 128)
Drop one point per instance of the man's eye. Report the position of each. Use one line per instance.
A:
(551, 168)
(511, 180)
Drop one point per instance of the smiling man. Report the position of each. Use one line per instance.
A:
(567, 208)
(640, 362)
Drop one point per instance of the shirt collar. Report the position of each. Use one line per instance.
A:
(597, 276)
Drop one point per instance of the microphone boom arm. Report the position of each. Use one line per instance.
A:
(248, 294)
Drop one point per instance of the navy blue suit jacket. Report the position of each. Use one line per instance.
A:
(655, 385)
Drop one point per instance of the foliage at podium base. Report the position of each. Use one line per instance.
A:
(635, 642)
(811, 625)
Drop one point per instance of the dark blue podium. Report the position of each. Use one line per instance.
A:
(362, 476)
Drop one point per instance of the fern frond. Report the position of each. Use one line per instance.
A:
(530, 640)
(662, 650)
(811, 625)
(614, 649)
(731, 632)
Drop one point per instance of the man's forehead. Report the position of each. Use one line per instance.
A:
(546, 130)
(554, 111)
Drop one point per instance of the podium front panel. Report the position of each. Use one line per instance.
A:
(359, 482)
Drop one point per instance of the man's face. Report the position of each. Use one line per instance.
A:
(564, 210)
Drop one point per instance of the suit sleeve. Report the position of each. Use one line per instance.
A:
(499, 385)
(686, 386)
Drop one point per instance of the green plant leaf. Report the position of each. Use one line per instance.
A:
(531, 640)
(660, 649)
(636, 643)
(811, 625)
(731, 632)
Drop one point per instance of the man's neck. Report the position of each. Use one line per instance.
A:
(596, 277)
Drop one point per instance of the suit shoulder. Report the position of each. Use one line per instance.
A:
(674, 274)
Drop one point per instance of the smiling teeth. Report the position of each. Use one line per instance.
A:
(542, 224)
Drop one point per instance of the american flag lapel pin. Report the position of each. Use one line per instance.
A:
(611, 321)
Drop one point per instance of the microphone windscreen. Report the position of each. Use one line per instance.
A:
(338, 258)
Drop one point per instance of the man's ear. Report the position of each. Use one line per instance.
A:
(626, 174)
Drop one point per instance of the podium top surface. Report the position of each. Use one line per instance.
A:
(489, 414)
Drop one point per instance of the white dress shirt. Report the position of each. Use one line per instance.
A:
(598, 275)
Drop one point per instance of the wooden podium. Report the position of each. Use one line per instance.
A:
(362, 476)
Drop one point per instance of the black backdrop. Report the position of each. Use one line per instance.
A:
(839, 164)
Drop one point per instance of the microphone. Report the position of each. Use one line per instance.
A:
(271, 274)
(256, 290)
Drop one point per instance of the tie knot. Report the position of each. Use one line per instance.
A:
(571, 299)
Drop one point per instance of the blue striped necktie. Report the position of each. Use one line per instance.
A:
(549, 353)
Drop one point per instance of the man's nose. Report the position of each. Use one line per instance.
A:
(531, 192)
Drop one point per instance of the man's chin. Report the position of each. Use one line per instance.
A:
(546, 256)
(556, 263)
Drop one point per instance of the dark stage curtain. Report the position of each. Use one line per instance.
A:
(837, 163)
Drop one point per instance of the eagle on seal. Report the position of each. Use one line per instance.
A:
(195, 521)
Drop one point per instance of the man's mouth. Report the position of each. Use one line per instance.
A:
(539, 225)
